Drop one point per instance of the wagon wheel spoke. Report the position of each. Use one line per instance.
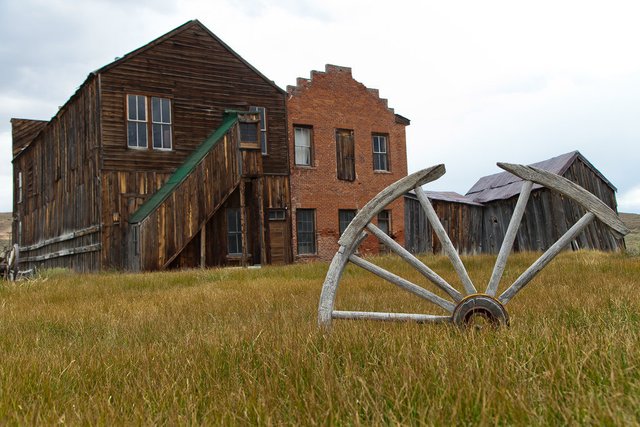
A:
(509, 238)
(402, 283)
(374, 315)
(431, 275)
(447, 246)
(546, 257)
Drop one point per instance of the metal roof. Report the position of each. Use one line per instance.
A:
(504, 185)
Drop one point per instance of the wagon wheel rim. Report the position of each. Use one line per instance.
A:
(468, 306)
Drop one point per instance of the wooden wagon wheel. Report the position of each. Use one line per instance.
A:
(468, 307)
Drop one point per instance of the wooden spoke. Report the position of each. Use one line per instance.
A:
(402, 283)
(541, 262)
(447, 246)
(406, 317)
(509, 238)
(414, 262)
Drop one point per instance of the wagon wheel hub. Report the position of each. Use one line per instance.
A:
(480, 310)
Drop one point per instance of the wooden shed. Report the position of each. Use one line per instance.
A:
(477, 221)
(174, 155)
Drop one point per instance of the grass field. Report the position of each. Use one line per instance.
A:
(242, 347)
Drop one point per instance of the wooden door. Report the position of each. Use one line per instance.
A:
(277, 236)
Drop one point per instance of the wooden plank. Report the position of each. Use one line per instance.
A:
(401, 317)
(62, 238)
(63, 252)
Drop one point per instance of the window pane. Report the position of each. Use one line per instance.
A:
(142, 113)
(166, 136)
(155, 110)
(142, 134)
(248, 132)
(305, 225)
(157, 136)
(131, 100)
(132, 139)
(166, 111)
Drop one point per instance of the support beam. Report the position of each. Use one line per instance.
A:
(406, 317)
(203, 246)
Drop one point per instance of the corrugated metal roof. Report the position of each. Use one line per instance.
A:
(447, 196)
(504, 185)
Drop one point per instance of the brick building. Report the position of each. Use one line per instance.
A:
(346, 145)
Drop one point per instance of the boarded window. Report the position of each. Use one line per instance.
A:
(306, 231)
(344, 218)
(345, 155)
(161, 123)
(263, 127)
(380, 153)
(136, 121)
(234, 232)
(302, 136)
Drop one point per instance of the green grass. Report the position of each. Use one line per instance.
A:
(240, 346)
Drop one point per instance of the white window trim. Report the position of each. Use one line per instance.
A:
(386, 152)
(309, 147)
(146, 121)
(170, 123)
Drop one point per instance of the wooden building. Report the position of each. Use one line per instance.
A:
(174, 155)
(346, 145)
(478, 220)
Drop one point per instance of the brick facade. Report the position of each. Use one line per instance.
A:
(327, 102)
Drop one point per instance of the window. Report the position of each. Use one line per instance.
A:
(137, 121)
(380, 153)
(161, 123)
(384, 221)
(139, 127)
(306, 230)
(345, 155)
(249, 124)
(277, 215)
(19, 187)
(234, 232)
(344, 218)
(302, 136)
(263, 127)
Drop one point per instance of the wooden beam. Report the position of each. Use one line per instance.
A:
(203, 246)
(243, 222)
(509, 238)
(406, 317)
(62, 238)
(64, 252)
(447, 246)
(546, 257)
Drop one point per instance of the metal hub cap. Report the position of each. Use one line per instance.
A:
(479, 310)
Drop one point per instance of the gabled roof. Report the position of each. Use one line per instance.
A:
(184, 170)
(178, 30)
(504, 185)
(23, 131)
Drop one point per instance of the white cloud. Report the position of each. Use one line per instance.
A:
(629, 201)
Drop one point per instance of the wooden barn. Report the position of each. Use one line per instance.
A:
(491, 201)
(174, 155)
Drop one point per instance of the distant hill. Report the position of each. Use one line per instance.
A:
(633, 239)
(5, 229)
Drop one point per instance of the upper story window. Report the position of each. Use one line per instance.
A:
(19, 187)
(249, 125)
(139, 127)
(161, 123)
(303, 141)
(263, 127)
(380, 152)
(137, 121)
(345, 155)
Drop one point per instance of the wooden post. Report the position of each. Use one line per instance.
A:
(263, 231)
(203, 246)
(243, 222)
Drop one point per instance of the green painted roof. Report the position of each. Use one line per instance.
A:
(184, 170)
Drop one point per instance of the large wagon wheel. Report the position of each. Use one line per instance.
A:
(467, 307)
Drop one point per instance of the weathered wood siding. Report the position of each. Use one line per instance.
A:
(462, 222)
(202, 78)
(179, 218)
(61, 187)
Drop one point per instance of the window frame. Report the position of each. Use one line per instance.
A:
(345, 165)
(236, 233)
(149, 121)
(20, 187)
(162, 124)
(312, 233)
(137, 121)
(262, 127)
(310, 147)
(380, 154)
(380, 218)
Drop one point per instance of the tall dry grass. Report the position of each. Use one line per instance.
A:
(242, 347)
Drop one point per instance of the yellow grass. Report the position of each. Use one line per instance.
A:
(242, 347)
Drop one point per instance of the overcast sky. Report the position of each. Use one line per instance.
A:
(481, 81)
